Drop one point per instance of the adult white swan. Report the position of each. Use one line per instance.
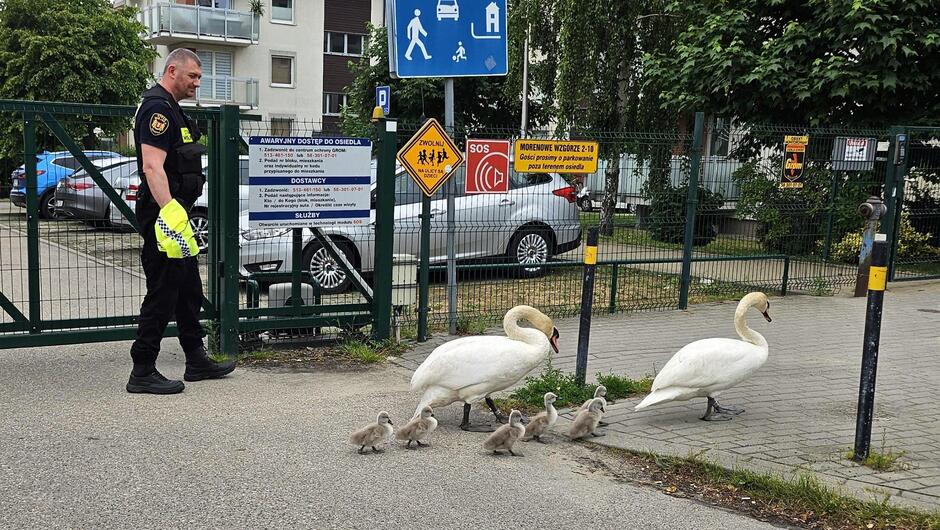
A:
(471, 368)
(706, 367)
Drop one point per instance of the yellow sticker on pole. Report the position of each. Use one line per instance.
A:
(590, 255)
(877, 278)
(554, 156)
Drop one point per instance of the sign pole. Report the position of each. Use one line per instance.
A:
(451, 219)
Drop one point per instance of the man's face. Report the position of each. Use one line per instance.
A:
(185, 78)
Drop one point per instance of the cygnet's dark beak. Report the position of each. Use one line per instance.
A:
(554, 339)
(767, 316)
(390, 421)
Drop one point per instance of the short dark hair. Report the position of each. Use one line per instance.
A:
(179, 57)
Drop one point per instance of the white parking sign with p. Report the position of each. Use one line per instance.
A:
(487, 166)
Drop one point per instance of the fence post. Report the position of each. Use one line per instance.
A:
(32, 220)
(866, 387)
(387, 135)
(891, 198)
(215, 219)
(690, 211)
(228, 212)
(424, 270)
(587, 305)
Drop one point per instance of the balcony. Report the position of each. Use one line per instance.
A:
(169, 24)
(218, 90)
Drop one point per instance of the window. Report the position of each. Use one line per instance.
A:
(343, 43)
(282, 71)
(719, 137)
(406, 190)
(282, 126)
(333, 103)
(282, 11)
(219, 4)
(524, 180)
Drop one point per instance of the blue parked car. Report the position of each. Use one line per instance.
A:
(50, 169)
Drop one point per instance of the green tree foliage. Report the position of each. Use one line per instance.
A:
(492, 102)
(833, 62)
(593, 52)
(69, 50)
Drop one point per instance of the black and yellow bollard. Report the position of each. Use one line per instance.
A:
(587, 305)
(877, 279)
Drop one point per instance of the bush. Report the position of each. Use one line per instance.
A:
(912, 245)
(668, 214)
(793, 221)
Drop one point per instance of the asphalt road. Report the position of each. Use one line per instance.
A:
(265, 449)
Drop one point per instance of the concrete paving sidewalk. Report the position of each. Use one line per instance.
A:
(800, 407)
(269, 449)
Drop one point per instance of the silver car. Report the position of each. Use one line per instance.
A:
(79, 197)
(535, 220)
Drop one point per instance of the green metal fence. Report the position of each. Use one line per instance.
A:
(693, 214)
(69, 248)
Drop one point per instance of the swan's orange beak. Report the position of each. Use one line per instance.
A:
(554, 339)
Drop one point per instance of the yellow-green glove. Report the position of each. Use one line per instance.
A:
(174, 235)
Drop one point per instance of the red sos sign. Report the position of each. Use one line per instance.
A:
(487, 166)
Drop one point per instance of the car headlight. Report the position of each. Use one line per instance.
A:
(263, 233)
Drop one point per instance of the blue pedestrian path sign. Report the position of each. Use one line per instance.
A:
(447, 38)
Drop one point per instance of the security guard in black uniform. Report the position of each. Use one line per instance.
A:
(169, 160)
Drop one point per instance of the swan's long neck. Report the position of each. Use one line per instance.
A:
(740, 325)
(516, 332)
(551, 413)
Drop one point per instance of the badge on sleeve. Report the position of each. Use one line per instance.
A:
(158, 124)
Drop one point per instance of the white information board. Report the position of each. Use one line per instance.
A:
(299, 182)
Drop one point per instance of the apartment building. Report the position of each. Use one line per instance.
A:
(288, 64)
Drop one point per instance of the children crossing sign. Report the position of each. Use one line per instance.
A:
(430, 157)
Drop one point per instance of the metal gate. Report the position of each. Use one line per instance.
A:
(915, 232)
(69, 257)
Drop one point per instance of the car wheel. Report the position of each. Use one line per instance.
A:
(530, 247)
(326, 271)
(47, 205)
(199, 222)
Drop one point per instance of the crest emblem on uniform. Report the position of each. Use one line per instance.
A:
(158, 124)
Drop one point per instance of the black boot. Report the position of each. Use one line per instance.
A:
(199, 366)
(153, 383)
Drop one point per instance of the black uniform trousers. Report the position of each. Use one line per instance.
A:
(174, 288)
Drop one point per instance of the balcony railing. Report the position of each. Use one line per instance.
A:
(173, 23)
(220, 89)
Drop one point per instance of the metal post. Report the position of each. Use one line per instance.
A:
(612, 306)
(214, 189)
(890, 220)
(32, 221)
(424, 270)
(387, 135)
(866, 388)
(587, 304)
(297, 236)
(525, 86)
(691, 210)
(228, 203)
(451, 217)
(871, 210)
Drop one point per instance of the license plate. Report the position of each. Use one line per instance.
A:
(58, 204)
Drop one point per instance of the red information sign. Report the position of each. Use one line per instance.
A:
(487, 166)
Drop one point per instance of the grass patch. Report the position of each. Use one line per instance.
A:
(370, 352)
(531, 396)
(802, 499)
(883, 459)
